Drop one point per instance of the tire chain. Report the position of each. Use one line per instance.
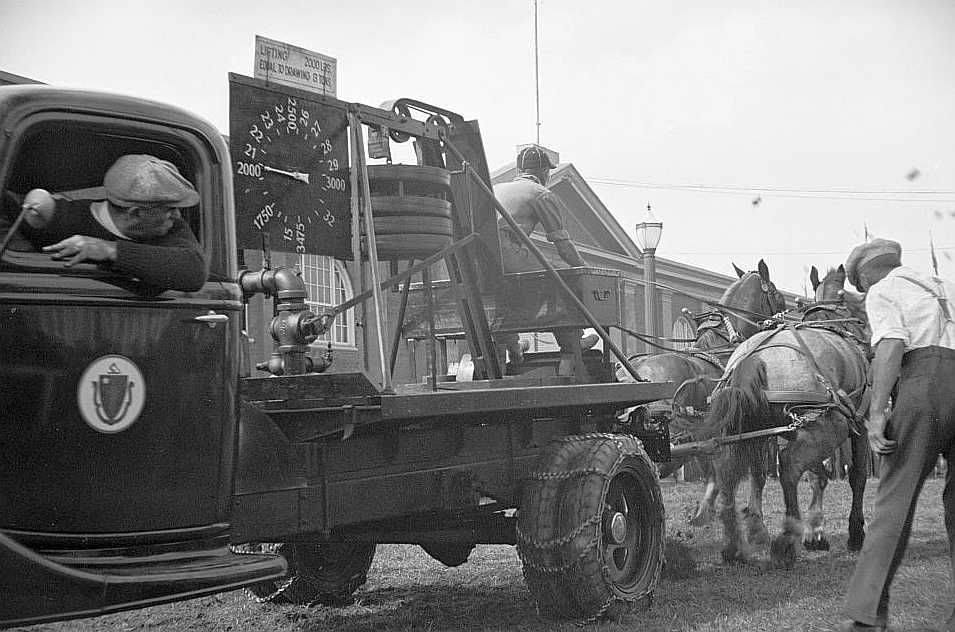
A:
(257, 549)
(296, 577)
(561, 476)
(594, 543)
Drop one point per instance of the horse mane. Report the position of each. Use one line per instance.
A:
(740, 405)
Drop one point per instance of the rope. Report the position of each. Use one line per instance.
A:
(739, 312)
(648, 339)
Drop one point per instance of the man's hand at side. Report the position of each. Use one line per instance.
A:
(886, 366)
(875, 425)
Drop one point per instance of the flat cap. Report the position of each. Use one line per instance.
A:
(144, 180)
(533, 158)
(868, 252)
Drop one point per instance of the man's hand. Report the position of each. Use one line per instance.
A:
(886, 366)
(876, 430)
(80, 248)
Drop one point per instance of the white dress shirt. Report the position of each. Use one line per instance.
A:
(902, 306)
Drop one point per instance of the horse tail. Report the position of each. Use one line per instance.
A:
(741, 404)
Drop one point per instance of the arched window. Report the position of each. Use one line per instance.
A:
(683, 329)
(327, 284)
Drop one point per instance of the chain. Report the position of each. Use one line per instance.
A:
(553, 570)
(593, 544)
(562, 476)
(556, 543)
(803, 419)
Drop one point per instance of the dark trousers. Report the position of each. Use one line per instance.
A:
(923, 424)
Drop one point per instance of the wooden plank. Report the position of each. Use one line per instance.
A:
(448, 402)
(309, 386)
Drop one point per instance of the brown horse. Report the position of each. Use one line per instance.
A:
(811, 377)
(843, 310)
(748, 300)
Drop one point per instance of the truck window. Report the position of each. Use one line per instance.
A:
(69, 160)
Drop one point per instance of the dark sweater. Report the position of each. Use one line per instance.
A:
(174, 261)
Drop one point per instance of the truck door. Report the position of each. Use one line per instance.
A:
(118, 400)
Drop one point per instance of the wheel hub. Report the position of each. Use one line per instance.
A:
(616, 527)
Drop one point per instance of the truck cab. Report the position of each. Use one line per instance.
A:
(123, 396)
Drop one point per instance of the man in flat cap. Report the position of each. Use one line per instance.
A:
(913, 334)
(531, 204)
(137, 230)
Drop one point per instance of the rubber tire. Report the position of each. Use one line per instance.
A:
(450, 554)
(410, 246)
(393, 206)
(319, 573)
(411, 226)
(588, 575)
(413, 175)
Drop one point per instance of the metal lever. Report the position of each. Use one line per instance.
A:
(212, 318)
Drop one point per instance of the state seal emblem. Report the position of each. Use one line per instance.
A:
(111, 393)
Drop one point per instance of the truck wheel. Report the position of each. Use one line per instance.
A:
(319, 572)
(449, 553)
(591, 527)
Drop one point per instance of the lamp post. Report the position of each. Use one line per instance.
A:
(649, 232)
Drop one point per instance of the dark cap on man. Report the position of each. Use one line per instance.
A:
(144, 180)
(882, 251)
(533, 158)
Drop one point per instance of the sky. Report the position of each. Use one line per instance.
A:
(754, 129)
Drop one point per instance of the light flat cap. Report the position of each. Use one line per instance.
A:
(868, 252)
(144, 180)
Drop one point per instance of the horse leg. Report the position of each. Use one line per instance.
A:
(815, 537)
(735, 547)
(783, 548)
(705, 507)
(756, 531)
(858, 473)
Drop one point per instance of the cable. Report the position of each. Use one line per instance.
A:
(815, 194)
(791, 254)
(764, 188)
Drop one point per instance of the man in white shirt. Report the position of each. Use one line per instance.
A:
(913, 333)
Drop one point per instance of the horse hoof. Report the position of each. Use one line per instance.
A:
(731, 555)
(816, 544)
(782, 552)
(855, 543)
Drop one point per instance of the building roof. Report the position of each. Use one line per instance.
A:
(598, 234)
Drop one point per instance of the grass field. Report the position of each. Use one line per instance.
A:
(407, 590)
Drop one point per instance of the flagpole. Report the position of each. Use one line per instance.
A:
(537, 90)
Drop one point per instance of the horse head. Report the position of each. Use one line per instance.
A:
(830, 287)
(753, 292)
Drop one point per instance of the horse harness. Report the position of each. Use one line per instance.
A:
(804, 413)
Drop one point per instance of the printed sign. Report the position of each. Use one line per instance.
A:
(111, 393)
(278, 62)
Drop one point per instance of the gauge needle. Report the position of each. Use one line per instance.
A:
(296, 175)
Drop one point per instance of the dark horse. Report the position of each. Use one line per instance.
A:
(749, 299)
(843, 310)
(811, 377)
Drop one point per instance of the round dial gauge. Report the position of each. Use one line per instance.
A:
(290, 167)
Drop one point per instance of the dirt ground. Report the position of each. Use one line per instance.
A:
(407, 590)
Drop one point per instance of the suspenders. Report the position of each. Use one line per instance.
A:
(943, 303)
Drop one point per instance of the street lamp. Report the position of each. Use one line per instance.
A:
(649, 232)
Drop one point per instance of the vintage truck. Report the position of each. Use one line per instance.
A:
(145, 460)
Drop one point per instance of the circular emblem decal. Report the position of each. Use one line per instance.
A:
(111, 393)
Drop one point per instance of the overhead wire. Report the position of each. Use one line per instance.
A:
(836, 193)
